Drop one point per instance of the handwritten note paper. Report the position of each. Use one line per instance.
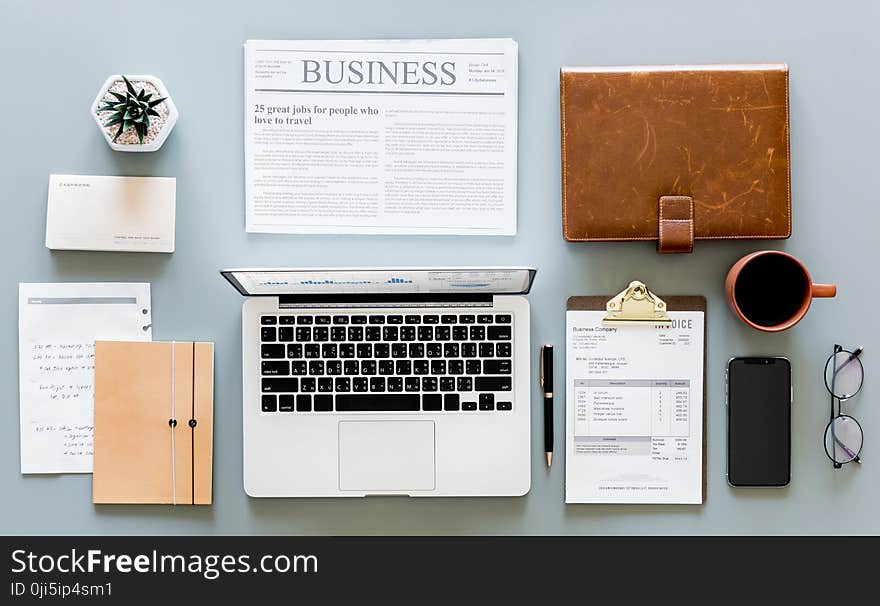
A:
(58, 325)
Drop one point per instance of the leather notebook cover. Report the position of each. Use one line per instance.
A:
(675, 153)
(140, 455)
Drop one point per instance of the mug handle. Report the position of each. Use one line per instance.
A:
(824, 290)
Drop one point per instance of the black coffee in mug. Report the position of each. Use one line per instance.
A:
(771, 289)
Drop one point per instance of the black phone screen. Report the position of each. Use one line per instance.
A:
(759, 422)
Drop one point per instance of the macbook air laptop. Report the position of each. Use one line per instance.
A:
(411, 381)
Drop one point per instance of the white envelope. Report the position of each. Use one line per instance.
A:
(133, 214)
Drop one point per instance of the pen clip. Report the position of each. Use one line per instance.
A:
(541, 366)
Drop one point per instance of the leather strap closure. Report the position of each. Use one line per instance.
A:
(676, 225)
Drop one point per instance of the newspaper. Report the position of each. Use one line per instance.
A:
(381, 136)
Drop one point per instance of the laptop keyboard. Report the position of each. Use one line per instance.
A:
(386, 363)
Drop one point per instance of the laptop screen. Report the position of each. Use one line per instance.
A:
(440, 280)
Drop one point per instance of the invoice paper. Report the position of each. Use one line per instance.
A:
(57, 328)
(381, 136)
(634, 410)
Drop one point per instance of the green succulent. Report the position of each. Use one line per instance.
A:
(131, 110)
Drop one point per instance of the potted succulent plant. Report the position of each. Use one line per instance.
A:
(134, 113)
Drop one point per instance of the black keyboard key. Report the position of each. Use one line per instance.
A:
(303, 334)
(316, 367)
(299, 367)
(421, 367)
(398, 350)
(466, 319)
(484, 319)
(499, 333)
(487, 401)
(325, 385)
(280, 385)
(448, 319)
(304, 403)
(346, 350)
(334, 367)
(272, 351)
(304, 319)
(340, 319)
(377, 384)
(381, 350)
(285, 333)
(451, 401)
(413, 319)
(389, 333)
(438, 367)
(456, 367)
(308, 385)
(386, 367)
(442, 333)
(377, 319)
(351, 367)
(373, 333)
(403, 367)
(450, 350)
(365, 350)
(388, 402)
(287, 320)
(493, 383)
(459, 333)
(447, 383)
(407, 333)
(368, 367)
(426, 333)
(497, 367)
(337, 334)
(503, 319)
(395, 384)
(312, 350)
(268, 320)
(342, 384)
(429, 383)
(355, 333)
(473, 367)
(322, 320)
(502, 350)
(478, 333)
(329, 350)
(469, 406)
(505, 405)
(395, 319)
(287, 403)
(295, 351)
(412, 384)
(465, 384)
(268, 333)
(269, 403)
(432, 402)
(430, 319)
(487, 350)
(323, 403)
(360, 384)
(276, 367)
(433, 350)
(321, 333)
(468, 350)
(359, 319)
(416, 350)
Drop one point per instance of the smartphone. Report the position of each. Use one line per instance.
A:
(759, 422)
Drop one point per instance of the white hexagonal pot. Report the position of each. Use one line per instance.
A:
(160, 128)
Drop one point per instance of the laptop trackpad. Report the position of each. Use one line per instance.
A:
(380, 456)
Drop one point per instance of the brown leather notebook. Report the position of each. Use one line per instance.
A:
(153, 422)
(675, 153)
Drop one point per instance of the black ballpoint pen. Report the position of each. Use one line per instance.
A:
(547, 388)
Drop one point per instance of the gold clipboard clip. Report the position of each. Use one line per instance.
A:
(635, 305)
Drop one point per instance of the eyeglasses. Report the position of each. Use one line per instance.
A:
(844, 374)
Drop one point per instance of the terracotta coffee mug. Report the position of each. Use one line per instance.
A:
(772, 290)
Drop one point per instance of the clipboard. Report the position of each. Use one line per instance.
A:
(632, 308)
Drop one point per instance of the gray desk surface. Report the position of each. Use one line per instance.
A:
(55, 54)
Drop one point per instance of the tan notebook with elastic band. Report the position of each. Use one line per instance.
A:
(153, 422)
